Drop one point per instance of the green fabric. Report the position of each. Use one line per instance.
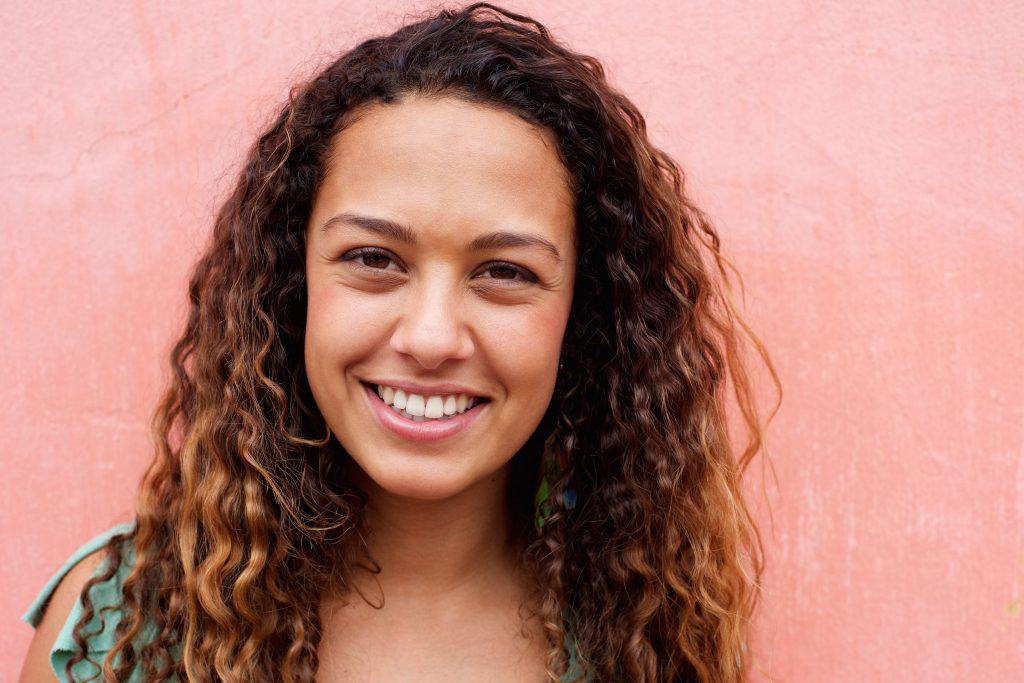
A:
(109, 594)
(540, 503)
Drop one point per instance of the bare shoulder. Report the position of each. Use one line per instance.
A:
(37, 662)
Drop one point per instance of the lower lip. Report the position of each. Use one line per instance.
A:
(428, 430)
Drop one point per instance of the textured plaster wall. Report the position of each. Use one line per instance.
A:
(863, 162)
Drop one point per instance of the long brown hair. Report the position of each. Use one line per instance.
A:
(648, 556)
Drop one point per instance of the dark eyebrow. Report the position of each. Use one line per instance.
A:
(396, 231)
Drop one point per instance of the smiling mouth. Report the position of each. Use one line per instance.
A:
(377, 390)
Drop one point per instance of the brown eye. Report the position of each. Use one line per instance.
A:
(510, 273)
(503, 272)
(369, 259)
(375, 260)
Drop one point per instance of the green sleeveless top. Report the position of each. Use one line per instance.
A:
(109, 594)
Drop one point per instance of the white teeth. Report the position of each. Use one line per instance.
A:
(434, 408)
(400, 399)
(415, 405)
(421, 407)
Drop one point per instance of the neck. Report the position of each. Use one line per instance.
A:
(439, 549)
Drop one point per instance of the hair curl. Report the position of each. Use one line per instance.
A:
(244, 518)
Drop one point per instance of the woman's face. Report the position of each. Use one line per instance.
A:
(440, 260)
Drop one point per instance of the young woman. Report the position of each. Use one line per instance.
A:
(449, 403)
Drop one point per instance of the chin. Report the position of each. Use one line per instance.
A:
(415, 477)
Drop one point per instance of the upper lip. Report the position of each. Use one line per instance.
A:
(425, 390)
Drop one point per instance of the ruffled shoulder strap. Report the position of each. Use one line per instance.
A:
(105, 594)
(574, 668)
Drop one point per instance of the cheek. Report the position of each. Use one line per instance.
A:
(525, 344)
(341, 327)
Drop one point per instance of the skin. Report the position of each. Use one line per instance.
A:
(36, 667)
(433, 312)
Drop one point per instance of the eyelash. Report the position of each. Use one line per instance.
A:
(356, 254)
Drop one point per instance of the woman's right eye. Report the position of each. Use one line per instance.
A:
(369, 259)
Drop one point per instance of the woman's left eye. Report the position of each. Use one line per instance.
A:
(508, 273)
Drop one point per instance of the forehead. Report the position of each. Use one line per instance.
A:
(448, 163)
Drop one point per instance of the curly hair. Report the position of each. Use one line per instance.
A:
(244, 518)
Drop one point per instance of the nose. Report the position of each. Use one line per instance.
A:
(430, 328)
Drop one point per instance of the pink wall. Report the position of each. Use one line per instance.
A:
(864, 166)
